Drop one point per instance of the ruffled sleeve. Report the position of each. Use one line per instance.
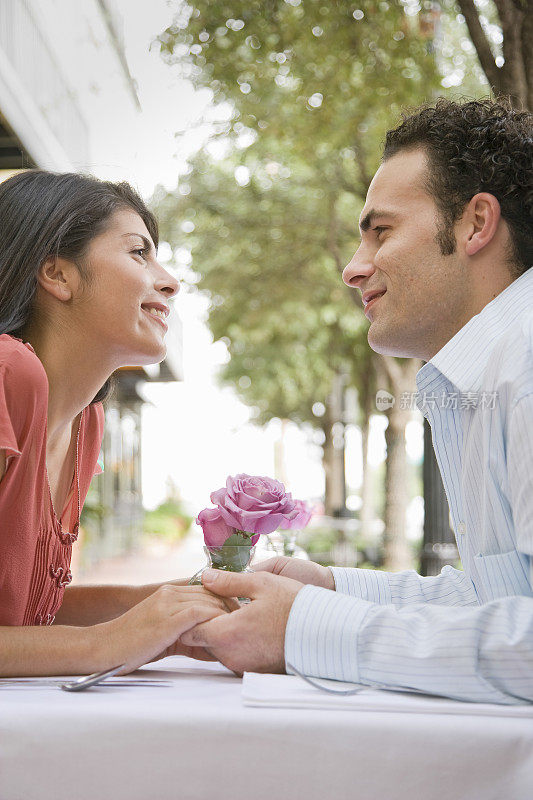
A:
(8, 439)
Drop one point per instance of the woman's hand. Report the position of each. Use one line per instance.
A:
(151, 629)
(299, 570)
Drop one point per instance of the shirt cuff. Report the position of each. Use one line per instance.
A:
(368, 584)
(321, 634)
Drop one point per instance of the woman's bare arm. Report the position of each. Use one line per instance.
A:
(148, 631)
(57, 650)
(90, 605)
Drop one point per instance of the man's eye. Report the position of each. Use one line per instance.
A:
(379, 229)
(141, 251)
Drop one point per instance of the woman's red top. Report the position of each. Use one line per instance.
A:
(36, 545)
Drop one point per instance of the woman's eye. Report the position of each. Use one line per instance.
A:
(141, 251)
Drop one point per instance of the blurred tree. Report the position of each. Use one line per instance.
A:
(505, 54)
(305, 92)
(276, 297)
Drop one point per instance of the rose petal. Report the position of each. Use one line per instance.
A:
(214, 527)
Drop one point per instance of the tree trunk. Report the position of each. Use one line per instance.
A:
(367, 397)
(327, 464)
(515, 76)
(397, 551)
(366, 514)
(333, 452)
(439, 546)
(396, 547)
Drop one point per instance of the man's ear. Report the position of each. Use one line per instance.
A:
(59, 277)
(482, 216)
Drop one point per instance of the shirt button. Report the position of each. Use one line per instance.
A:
(461, 528)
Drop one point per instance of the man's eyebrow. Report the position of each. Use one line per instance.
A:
(368, 219)
(147, 243)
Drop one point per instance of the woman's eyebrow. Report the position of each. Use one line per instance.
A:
(147, 243)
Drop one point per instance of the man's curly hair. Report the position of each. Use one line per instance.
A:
(475, 146)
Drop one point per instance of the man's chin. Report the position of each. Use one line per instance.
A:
(387, 346)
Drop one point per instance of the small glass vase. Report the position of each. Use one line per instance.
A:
(229, 558)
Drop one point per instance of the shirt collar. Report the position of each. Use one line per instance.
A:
(464, 358)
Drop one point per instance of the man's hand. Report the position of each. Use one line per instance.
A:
(152, 628)
(299, 570)
(252, 638)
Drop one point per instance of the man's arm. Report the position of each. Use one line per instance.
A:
(520, 472)
(482, 654)
(450, 588)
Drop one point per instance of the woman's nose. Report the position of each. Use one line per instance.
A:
(359, 268)
(167, 283)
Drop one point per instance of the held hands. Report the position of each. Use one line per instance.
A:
(298, 570)
(252, 637)
(193, 621)
(151, 629)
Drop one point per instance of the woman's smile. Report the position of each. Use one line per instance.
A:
(157, 316)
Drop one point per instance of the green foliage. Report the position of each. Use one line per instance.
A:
(319, 544)
(311, 90)
(168, 521)
(305, 73)
(92, 511)
(277, 298)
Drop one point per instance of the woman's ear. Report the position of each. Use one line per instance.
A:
(59, 277)
(483, 215)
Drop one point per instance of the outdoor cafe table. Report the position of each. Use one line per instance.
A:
(197, 739)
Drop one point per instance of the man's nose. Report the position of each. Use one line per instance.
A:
(359, 268)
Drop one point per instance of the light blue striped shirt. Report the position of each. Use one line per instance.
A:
(463, 634)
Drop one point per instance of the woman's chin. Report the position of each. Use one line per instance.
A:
(144, 358)
(156, 357)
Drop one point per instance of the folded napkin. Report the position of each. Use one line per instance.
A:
(290, 691)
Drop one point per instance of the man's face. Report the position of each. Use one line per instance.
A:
(425, 293)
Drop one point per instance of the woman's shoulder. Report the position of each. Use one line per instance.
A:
(23, 395)
(20, 367)
(13, 348)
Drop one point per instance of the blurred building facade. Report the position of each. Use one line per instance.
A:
(64, 78)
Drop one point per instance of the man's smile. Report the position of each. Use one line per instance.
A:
(371, 297)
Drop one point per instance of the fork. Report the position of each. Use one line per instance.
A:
(80, 684)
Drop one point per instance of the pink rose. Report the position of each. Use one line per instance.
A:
(254, 504)
(216, 531)
(305, 512)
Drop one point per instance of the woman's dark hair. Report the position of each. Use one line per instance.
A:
(475, 146)
(45, 214)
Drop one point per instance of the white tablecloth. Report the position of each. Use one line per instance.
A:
(197, 740)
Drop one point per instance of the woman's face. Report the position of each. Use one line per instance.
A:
(125, 304)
